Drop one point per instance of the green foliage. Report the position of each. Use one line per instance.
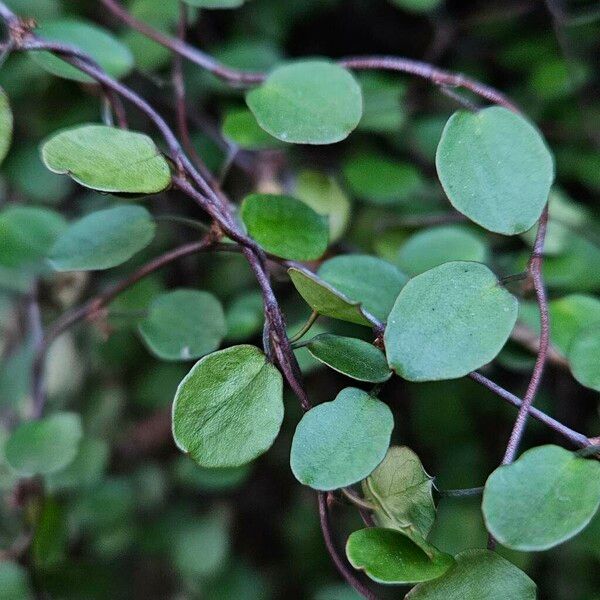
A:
(105, 49)
(418, 6)
(400, 489)
(45, 446)
(245, 391)
(495, 168)
(183, 325)
(6, 125)
(285, 226)
(215, 3)
(108, 160)
(339, 443)
(584, 358)
(477, 574)
(308, 102)
(428, 338)
(103, 239)
(14, 582)
(544, 498)
(350, 356)
(388, 556)
(241, 128)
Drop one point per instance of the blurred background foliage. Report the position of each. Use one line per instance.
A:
(133, 518)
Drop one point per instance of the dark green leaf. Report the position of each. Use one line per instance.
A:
(103, 239)
(495, 168)
(44, 446)
(184, 324)
(229, 408)
(350, 356)
(371, 281)
(339, 443)
(309, 102)
(448, 322)
(477, 574)
(108, 160)
(543, 499)
(388, 556)
(285, 226)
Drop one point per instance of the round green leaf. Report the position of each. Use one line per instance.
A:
(477, 574)
(112, 56)
(584, 358)
(27, 233)
(543, 499)
(103, 239)
(448, 322)
(14, 582)
(388, 556)
(371, 281)
(6, 125)
(339, 443)
(432, 247)
(400, 488)
(326, 300)
(324, 195)
(108, 160)
(215, 3)
(240, 127)
(285, 226)
(308, 102)
(184, 324)
(44, 446)
(495, 169)
(380, 180)
(352, 357)
(229, 408)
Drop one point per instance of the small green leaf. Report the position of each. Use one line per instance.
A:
(245, 316)
(14, 582)
(6, 125)
(389, 556)
(324, 195)
(584, 358)
(417, 6)
(339, 443)
(383, 103)
(543, 499)
(350, 356)
(229, 408)
(371, 281)
(380, 180)
(108, 160)
(241, 128)
(285, 226)
(215, 3)
(401, 490)
(308, 102)
(112, 56)
(448, 322)
(437, 245)
(477, 574)
(44, 446)
(326, 300)
(495, 169)
(103, 239)
(27, 233)
(183, 325)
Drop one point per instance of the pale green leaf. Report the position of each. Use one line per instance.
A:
(477, 574)
(103, 239)
(584, 358)
(543, 499)
(112, 56)
(14, 582)
(389, 556)
(6, 125)
(308, 102)
(241, 128)
(339, 443)
(383, 103)
(495, 169)
(352, 357)
(285, 226)
(449, 321)
(108, 159)
(229, 408)
(183, 324)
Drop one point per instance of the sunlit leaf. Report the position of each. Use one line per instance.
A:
(339, 443)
